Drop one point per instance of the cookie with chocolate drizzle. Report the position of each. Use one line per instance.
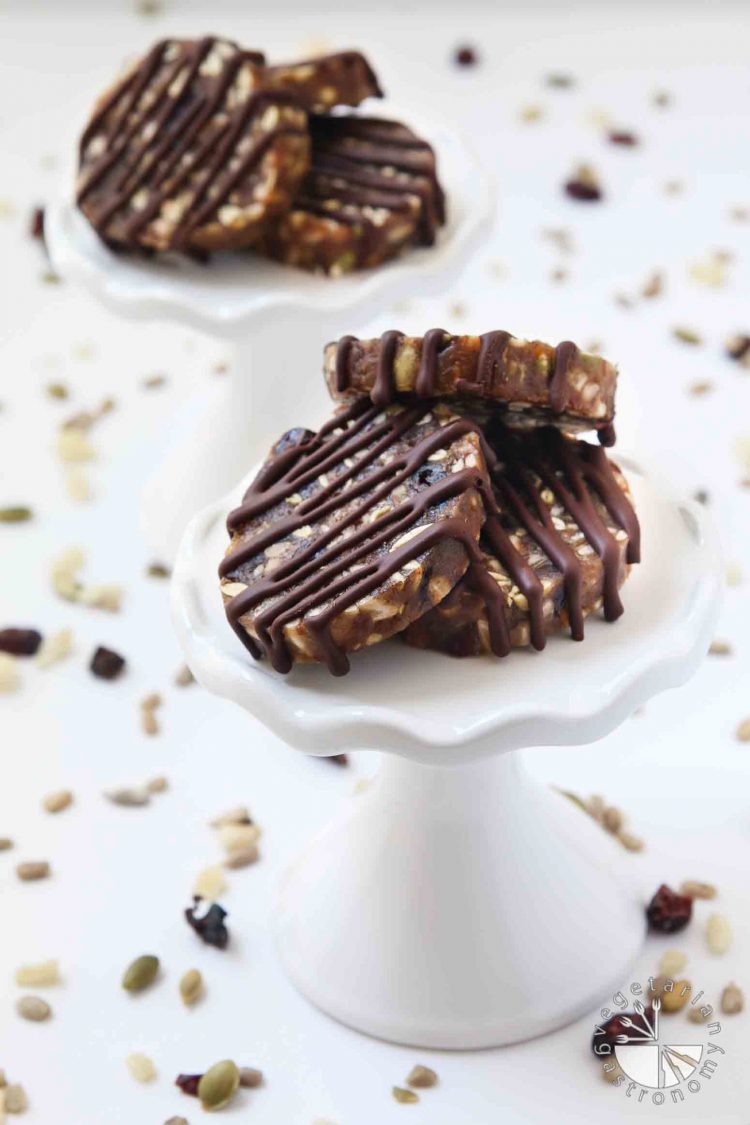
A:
(319, 84)
(371, 191)
(560, 537)
(189, 152)
(530, 381)
(349, 534)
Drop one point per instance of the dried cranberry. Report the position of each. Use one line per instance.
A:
(623, 137)
(188, 1083)
(209, 926)
(582, 190)
(338, 759)
(465, 56)
(668, 912)
(36, 225)
(106, 664)
(20, 642)
(606, 1036)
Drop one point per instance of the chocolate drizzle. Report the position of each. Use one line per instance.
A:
(319, 582)
(176, 131)
(573, 471)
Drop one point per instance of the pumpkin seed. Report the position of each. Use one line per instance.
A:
(218, 1085)
(405, 1097)
(421, 1077)
(732, 1000)
(33, 1008)
(718, 933)
(39, 975)
(140, 973)
(250, 1077)
(17, 514)
(191, 986)
(141, 1067)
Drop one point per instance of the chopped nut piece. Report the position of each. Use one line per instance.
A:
(158, 570)
(33, 1008)
(128, 797)
(10, 680)
(157, 784)
(675, 999)
(701, 387)
(5, 843)
(630, 842)
(405, 1097)
(33, 870)
(42, 974)
(141, 1067)
(58, 801)
(242, 857)
(421, 1077)
(58, 391)
(743, 731)
(718, 934)
(235, 836)
(584, 185)
(694, 889)
(559, 81)
(700, 1014)
(738, 349)
(191, 986)
(15, 1098)
(210, 883)
(720, 648)
(238, 815)
(55, 648)
(613, 819)
(732, 1000)
(673, 962)
(184, 677)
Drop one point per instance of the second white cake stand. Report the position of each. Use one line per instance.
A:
(276, 318)
(458, 903)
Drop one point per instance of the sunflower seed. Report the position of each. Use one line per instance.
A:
(191, 986)
(55, 648)
(127, 798)
(15, 1099)
(218, 1085)
(421, 1077)
(58, 801)
(732, 1000)
(33, 1008)
(405, 1097)
(250, 1077)
(140, 973)
(32, 870)
(630, 842)
(157, 784)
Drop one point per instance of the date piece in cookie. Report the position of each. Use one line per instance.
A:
(349, 534)
(188, 152)
(372, 190)
(533, 382)
(558, 542)
(319, 84)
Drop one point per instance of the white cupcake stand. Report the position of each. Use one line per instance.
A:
(277, 319)
(458, 903)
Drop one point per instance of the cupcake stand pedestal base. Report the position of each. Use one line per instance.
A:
(276, 318)
(458, 903)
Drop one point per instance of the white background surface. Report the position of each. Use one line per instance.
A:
(123, 876)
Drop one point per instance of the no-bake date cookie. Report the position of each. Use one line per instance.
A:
(558, 542)
(530, 380)
(371, 191)
(349, 534)
(319, 84)
(189, 152)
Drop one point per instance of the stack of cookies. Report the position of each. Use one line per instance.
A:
(201, 146)
(449, 500)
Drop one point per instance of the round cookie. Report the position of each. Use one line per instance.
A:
(188, 152)
(319, 84)
(348, 535)
(558, 541)
(532, 381)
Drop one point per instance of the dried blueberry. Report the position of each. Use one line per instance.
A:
(20, 642)
(106, 664)
(623, 137)
(583, 191)
(668, 912)
(210, 926)
(465, 55)
(36, 223)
